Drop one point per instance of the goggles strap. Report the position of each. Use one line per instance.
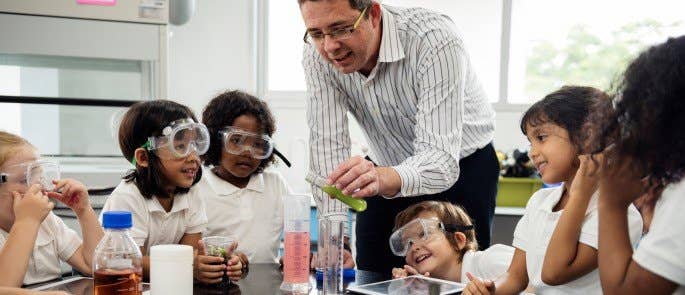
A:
(146, 146)
(277, 153)
(453, 228)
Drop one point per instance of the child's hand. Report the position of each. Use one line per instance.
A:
(477, 286)
(619, 184)
(407, 271)
(398, 273)
(208, 269)
(72, 193)
(235, 268)
(586, 181)
(33, 206)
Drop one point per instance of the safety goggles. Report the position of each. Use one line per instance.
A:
(179, 139)
(420, 230)
(237, 141)
(39, 172)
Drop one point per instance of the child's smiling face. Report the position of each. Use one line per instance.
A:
(435, 255)
(552, 151)
(243, 165)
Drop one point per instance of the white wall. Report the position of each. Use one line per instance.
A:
(213, 52)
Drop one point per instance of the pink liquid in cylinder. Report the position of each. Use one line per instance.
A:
(296, 258)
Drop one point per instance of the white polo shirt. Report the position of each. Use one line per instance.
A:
(488, 264)
(152, 225)
(54, 242)
(253, 215)
(662, 250)
(535, 229)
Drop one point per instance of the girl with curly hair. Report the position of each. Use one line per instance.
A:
(640, 148)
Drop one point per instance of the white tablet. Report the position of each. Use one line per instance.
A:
(410, 285)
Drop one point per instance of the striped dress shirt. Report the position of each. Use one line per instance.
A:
(421, 108)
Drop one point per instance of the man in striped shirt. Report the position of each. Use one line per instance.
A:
(405, 76)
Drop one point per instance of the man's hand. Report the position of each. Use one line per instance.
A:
(348, 261)
(360, 178)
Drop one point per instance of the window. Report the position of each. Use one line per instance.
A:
(582, 42)
(479, 23)
(285, 31)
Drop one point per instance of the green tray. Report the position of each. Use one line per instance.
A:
(515, 191)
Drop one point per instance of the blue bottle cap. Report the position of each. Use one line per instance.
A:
(117, 219)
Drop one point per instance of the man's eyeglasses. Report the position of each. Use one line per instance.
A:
(336, 34)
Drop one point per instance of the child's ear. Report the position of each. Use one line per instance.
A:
(461, 240)
(140, 154)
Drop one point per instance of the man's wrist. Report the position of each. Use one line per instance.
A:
(389, 181)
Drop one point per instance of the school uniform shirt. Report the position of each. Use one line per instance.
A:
(535, 229)
(55, 242)
(488, 264)
(252, 215)
(662, 250)
(152, 225)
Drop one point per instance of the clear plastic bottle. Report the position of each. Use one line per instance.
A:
(118, 263)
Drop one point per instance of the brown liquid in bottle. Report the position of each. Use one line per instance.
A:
(119, 282)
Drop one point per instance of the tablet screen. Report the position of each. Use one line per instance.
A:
(409, 285)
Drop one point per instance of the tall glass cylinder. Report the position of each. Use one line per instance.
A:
(330, 253)
(296, 246)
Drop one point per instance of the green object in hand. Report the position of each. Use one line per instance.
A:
(358, 205)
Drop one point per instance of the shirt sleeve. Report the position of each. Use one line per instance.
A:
(662, 250)
(434, 167)
(197, 221)
(126, 197)
(67, 239)
(329, 136)
(589, 232)
(496, 260)
(523, 227)
(521, 233)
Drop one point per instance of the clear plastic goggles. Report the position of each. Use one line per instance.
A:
(179, 139)
(238, 141)
(420, 230)
(39, 172)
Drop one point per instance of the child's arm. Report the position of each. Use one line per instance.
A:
(620, 274)
(75, 195)
(513, 281)
(567, 259)
(29, 210)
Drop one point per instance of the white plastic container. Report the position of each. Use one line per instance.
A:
(171, 270)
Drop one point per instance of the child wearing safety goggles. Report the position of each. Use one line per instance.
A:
(33, 240)
(243, 197)
(164, 141)
(438, 240)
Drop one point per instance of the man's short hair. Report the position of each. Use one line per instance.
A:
(356, 4)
